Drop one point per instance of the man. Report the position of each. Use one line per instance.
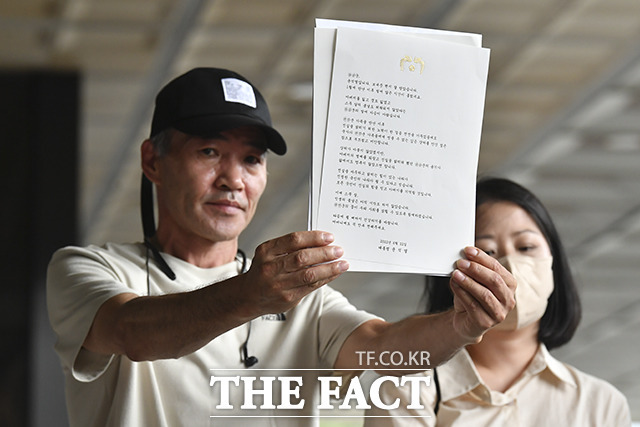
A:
(145, 329)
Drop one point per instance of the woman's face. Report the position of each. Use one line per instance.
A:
(504, 228)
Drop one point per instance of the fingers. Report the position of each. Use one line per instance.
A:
(287, 268)
(311, 268)
(319, 275)
(305, 253)
(278, 291)
(473, 318)
(305, 258)
(487, 272)
(310, 281)
(483, 289)
(293, 242)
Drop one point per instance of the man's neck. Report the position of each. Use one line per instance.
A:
(199, 252)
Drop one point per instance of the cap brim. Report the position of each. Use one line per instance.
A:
(210, 126)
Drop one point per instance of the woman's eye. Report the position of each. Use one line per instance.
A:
(527, 248)
(208, 151)
(489, 252)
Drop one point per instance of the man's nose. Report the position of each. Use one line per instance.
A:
(230, 176)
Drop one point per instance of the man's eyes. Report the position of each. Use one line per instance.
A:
(208, 151)
(253, 160)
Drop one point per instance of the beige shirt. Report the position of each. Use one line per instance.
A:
(549, 393)
(116, 391)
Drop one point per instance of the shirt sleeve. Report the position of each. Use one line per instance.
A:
(338, 319)
(79, 281)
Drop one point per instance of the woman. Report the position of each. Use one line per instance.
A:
(509, 378)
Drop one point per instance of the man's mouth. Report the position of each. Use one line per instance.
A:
(226, 204)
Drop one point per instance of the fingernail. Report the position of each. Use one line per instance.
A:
(458, 276)
(343, 265)
(463, 263)
(471, 251)
(327, 237)
(338, 251)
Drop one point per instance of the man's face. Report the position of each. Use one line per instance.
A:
(209, 188)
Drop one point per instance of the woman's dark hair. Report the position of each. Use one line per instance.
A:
(564, 310)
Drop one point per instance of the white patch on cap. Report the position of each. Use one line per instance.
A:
(238, 91)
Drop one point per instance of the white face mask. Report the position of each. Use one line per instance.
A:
(534, 277)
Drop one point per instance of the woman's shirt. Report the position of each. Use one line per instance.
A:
(549, 392)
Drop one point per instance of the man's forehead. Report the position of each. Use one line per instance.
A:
(252, 133)
(246, 135)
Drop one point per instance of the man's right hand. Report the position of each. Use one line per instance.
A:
(287, 268)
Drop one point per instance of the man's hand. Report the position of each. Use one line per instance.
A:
(483, 294)
(287, 268)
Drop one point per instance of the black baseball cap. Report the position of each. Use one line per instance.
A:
(206, 101)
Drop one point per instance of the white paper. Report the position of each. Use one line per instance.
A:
(324, 44)
(397, 120)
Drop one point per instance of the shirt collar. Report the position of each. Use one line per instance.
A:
(459, 376)
(556, 367)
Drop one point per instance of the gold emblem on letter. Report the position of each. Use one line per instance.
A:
(411, 63)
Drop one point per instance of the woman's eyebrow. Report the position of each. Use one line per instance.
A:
(485, 236)
(526, 230)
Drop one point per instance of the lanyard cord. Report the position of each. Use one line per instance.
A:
(248, 361)
(162, 264)
(438, 397)
(241, 257)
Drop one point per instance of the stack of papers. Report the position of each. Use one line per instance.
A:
(397, 120)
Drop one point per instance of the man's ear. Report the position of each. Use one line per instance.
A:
(149, 160)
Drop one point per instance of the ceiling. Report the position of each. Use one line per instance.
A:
(562, 117)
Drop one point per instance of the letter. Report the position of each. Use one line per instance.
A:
(370, 356)
(355, 390)
(224, 390)
(286, 392)
(413, 358)
(360, 353)
(374, 393)
(249, 392)
(382, 362)
(425, 357)
(415, 390)
(326, 392)
(393, 361)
